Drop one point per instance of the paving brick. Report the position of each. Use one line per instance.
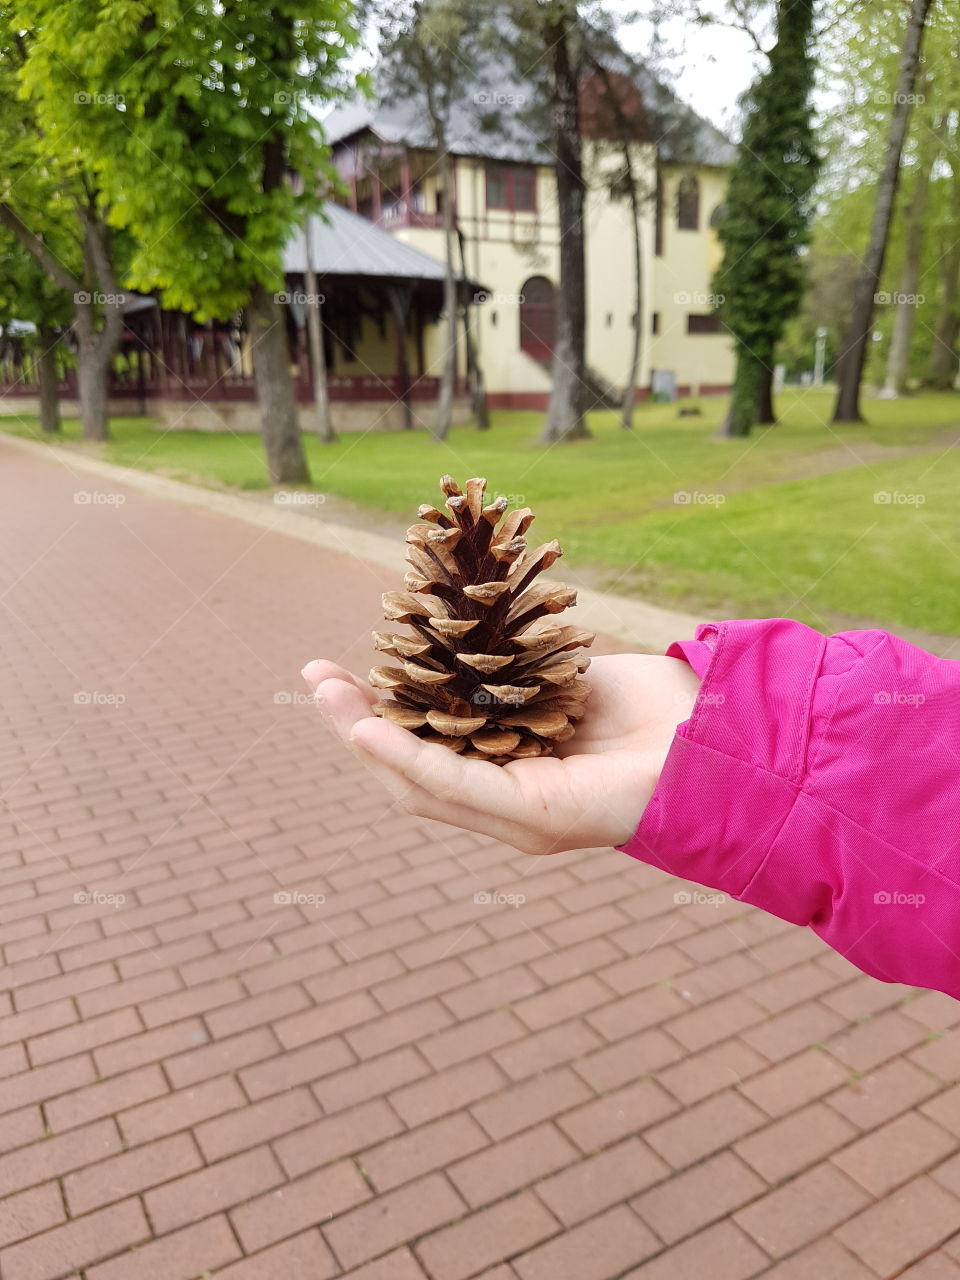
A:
(303, 1255)
(796, 1212)
(393, 1219)
(180, 1110)
(399, 1265)
(447, 1091)
(130, 1172)
(512, 1165)
(149, 1046)
(884, 1093)
(636, 1012)
(617, 1114)
(431, 1146)
(692, 1200)
(901, 1228)
(526, 1104)
(196, 1251)
(319, 1022)
(592, 1185)
(793, 1083)
(622, 1062)
(599, 1249)
(296, 1066)
(391, 1030)
(899, 1150)
(700, 1130)
(41, 1083)
(545, 1049)
(783, 1148)
(469, 1039)
(312, 1145)
(486, 1237)
(793, 1030)
(30, 1212)
(825, 1257)
(379, 1075)
(211, 1190)
(719, 1067)
(723, 1252)
(259, 1122)
(77, 1244)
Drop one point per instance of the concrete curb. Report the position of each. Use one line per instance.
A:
(643, 626)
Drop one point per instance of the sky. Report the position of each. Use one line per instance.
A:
(709, 67)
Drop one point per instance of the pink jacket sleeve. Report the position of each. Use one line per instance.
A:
(819, 778)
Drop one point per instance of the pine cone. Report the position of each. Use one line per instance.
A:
(484, 673)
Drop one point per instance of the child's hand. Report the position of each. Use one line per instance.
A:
(594, 796)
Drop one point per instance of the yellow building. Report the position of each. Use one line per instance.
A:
(506, 209)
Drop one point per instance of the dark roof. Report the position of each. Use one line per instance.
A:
(344, 244)
(483, 123)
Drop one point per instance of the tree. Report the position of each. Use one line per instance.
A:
(853, 353)
(430, 52)
(197, 123)
(28, 294)
(51, 203)
(766, 215)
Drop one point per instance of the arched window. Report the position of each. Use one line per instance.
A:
(538, 319)
(688, 204)
(716, 216)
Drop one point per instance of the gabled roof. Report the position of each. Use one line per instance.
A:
(480, 126)
(344, 244)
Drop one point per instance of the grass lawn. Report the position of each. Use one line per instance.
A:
(784, 522)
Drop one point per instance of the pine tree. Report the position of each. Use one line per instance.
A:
(766, 215)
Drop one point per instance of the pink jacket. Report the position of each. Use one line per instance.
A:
(819, 778)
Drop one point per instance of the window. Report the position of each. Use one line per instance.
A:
(703, 323)
(655, 322)
(538, 319)
(688, 204)
(716, 216)
(512, 187)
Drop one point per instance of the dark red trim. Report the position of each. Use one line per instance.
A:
(518, 399)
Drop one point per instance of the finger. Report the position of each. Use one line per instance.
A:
(475, 784)
(423, 804)
(343, 705)
(320, 669)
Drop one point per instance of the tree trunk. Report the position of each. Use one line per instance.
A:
(565, 415)
(748, 382)
(448, 373)
(943, 355)
(92, 392)
(630, 390)
(279, 428)
(854, 349)
(318, 364)
(905, 310)
(47, 380)
(766, 414)
(478, 394)
(400, 307)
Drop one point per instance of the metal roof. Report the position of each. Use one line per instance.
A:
(344, 244)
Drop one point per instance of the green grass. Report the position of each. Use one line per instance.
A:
(798, 531)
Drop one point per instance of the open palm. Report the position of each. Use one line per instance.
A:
(593, 795)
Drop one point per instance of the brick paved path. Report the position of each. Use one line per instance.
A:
(206, 1062)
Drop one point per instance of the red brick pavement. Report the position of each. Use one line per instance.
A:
(256, 1023)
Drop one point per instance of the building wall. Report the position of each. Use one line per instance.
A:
(505, 249)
